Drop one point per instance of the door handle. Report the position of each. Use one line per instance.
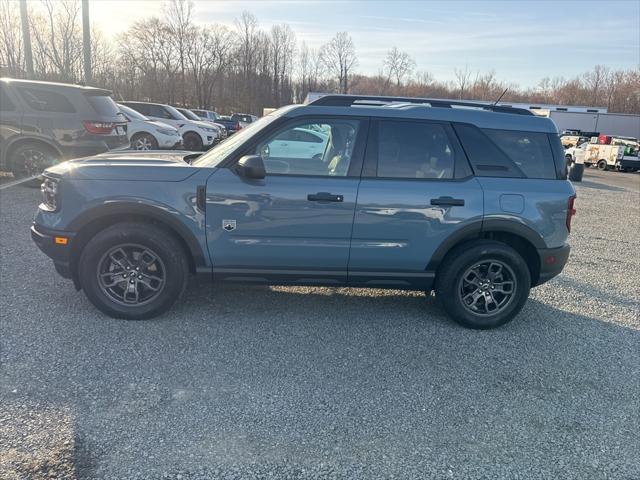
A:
(324, 197)
(448, 202)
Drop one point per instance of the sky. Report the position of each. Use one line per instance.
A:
(522, 41)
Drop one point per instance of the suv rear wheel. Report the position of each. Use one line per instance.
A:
(483, 284)
(30, 160)
(133, 271)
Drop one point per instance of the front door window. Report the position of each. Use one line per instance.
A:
(310, 148)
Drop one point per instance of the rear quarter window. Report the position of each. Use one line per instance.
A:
(530, 151)
(103, 105)
(485, 157)
(46, 101)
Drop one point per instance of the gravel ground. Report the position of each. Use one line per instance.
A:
(301, 383)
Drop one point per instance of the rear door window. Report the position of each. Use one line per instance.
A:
(530, 151)
(142, 108)
(46, 101)
(414, 150)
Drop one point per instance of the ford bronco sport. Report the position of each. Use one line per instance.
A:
(469, 200)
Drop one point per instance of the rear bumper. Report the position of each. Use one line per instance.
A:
(552, 261)
(45, 239)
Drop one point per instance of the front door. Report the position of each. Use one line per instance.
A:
(416, 192)
(295, 224)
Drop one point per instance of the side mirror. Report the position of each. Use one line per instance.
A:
(251, 166)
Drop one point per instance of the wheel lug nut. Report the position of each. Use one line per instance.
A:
(140, 277)
(131, 281)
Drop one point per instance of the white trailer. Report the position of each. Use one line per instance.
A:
(616, 124)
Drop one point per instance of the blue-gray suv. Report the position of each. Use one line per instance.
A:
(466, 199)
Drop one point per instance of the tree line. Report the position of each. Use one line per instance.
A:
(244, 68)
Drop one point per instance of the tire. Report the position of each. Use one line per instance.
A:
(602, 165)
(163, 268)
(144, 141)
(192, 141)
(453, 284)
(30, 160)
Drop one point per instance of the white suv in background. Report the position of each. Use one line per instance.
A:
(192, 116)
(145, 134)
(195, 135)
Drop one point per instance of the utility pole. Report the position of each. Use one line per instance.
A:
(26, 38)
(86, 42)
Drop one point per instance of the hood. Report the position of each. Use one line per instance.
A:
(158, 124)
(194, 123)
(153, 166)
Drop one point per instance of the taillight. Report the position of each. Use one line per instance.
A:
(99, 128)
(238, 126)
(571, 211)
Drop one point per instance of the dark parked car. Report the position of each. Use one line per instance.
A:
(231, 125)
(471, 202)
(42, 123)
(244, 118)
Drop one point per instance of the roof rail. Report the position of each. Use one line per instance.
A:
(335, 100)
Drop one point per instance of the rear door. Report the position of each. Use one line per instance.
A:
(295, 224)
(10, 121)
(416, 193)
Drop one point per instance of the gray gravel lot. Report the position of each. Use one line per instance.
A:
(257, 382)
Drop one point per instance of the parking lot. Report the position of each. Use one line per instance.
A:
(258, 382)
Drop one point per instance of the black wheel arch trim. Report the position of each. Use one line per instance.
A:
(150, 212)
(26, 139)
(475, 230)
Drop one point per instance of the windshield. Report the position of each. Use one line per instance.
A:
(176, 114)
(131, 113)
(218, 153)
(189, 114)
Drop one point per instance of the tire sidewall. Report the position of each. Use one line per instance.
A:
(150, 236)
(463, 258)
(195, 138)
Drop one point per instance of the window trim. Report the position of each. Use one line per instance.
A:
(461, 168)
(355, 166)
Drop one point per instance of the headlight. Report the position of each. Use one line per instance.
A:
(49, 189)
(166, 131)
(208, 129)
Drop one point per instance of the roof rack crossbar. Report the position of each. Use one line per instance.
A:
(372, 100)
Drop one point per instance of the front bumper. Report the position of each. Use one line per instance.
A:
(552, 261)
(167, 142)
(60, 253)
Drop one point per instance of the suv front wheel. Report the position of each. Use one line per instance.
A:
(133, 271)
(483, 284)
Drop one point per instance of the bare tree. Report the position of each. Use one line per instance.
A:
(397, 65)
(11, 51)
(178, 18)
(462, 79)
(339, 57)
(58, 40)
